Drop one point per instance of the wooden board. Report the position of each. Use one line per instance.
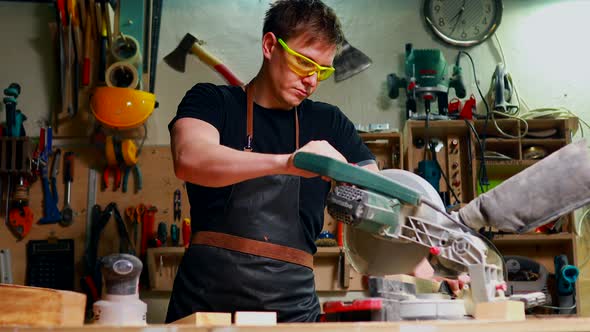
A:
(32, 306)
(159, 183)
(205, 319)
(531, 324)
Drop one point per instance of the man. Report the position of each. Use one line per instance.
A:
(254, 215)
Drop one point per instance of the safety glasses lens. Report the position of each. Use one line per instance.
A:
(304, 67)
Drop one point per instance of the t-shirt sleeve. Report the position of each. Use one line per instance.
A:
(204, 102)
(348, 141)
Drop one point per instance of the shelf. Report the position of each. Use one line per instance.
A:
(544, 141)
(378, 136)
(494, 140)
(162, 265)
(328, 251)
(512, 162)
(528, 239)
(386, 146)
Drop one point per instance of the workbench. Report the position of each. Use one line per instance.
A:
(533, 324)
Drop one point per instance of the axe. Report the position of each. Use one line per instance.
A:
(189, 44)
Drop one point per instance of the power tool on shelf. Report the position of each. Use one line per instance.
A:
(426, 79)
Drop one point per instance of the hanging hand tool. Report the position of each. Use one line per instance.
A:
(186, 232)
(190, 44)
(61, 30)
(20, 217)
(67, 212)
(117, 176)
(177, 201)
(147, 228)
(50, 196)
(12, 129)
(102, 61)
(76, 37)
(161, 236)
(138, 178)
(139, 212)
(133, 215)
(36, 162)
(87, 42)
(14, 117)
(174, 235)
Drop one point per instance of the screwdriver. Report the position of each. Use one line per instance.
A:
(67, 213)
(174, 235)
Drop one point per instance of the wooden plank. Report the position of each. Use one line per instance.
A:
(501, 310)
(40, 307)
(467, 325)
(255, 318)
(201, 319)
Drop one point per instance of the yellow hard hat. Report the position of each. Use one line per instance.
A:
(122, 108)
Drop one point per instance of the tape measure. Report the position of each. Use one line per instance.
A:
(120, 152)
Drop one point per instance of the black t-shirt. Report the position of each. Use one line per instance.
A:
(224, 107)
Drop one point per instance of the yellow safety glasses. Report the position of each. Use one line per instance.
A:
(304, 66)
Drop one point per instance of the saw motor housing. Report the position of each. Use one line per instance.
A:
(384, 236)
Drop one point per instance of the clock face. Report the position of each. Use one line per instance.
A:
(463, 22)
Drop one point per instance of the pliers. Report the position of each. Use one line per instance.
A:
(138, 178)
(117, 175)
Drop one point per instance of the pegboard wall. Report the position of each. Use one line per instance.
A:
(159, 184)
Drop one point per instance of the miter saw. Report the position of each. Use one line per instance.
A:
(426, 79)
(394, 219)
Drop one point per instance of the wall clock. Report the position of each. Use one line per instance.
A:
(463, 23)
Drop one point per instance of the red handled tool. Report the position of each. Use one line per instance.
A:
(186, 232)
(147, 231)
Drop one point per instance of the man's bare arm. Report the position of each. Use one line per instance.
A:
(199, 158)
(371, 167)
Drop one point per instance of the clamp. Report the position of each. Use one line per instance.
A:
(51, 212)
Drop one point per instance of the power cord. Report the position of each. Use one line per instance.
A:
(481, 148)
(483, 174)
(530, 113)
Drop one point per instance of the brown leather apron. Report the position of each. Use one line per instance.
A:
(256, 258)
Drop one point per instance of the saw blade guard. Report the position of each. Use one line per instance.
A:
(419, 230)
(373, 254)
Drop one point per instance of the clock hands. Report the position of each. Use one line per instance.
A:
(458, 16)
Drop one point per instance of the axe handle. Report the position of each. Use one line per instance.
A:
(216, 64)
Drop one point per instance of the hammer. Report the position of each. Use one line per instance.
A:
(189, 44)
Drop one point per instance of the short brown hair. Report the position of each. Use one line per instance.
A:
(289, 18)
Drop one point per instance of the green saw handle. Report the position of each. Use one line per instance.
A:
(343, 172)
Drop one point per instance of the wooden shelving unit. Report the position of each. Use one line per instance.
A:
(453, 155)
(545, 135)
(387, 148)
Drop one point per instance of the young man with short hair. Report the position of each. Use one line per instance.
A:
(254, 215)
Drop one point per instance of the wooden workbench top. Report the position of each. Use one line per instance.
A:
(541, 324)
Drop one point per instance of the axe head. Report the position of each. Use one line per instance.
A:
(177, 58)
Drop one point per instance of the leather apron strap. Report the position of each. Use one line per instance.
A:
(254, 247)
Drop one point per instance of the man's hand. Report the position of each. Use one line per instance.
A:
(425, 271)
(316, 147)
